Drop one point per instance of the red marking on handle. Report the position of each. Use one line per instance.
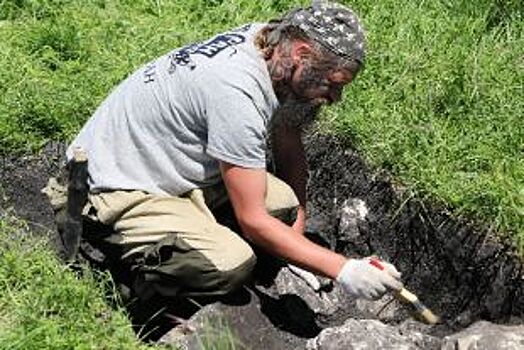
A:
(376, 263)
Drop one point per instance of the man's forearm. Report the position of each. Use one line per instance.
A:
(290, 161)
(281, 240)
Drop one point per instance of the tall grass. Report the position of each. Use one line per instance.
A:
(441, 103)
(61, 58)
(44, 305)
(216, 334)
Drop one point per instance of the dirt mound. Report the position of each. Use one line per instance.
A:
(461, 271)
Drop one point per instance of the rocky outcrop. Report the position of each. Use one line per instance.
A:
(288, 314)
(248, 327)
(486, 336)
(371, 335)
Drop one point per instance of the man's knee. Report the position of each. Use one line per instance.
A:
(228, 263)
(234, 278)
(171, 268)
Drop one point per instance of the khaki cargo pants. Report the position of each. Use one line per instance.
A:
(175, 246)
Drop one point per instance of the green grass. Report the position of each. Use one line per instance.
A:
(61, 58)
(440, 104)
(216, 334)
(44, 305)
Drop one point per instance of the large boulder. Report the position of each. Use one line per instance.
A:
(485, 335)
(371, 335)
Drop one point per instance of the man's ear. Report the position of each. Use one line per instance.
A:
(301, 51)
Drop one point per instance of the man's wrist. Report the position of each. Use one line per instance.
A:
(343, 265)
(337, 267)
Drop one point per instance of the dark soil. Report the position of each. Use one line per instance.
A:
(21, 180)
(461, 271)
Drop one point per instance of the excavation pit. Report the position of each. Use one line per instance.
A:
(459, 269)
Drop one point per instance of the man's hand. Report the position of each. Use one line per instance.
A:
(369, 278)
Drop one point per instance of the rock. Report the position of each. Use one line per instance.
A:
(210, 328)
(370, 335)
(259, 322)
(485, 335)
(412, 325)
(353, 211)
(185, 334)
(319, 227)
(326, 303)
(385, 309)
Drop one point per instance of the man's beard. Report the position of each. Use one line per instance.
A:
(296, 113)
(296, 109)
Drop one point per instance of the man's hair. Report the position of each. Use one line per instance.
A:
(275, 34)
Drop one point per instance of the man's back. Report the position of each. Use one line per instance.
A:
(164, 127)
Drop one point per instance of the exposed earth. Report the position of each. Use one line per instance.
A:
(460, 270)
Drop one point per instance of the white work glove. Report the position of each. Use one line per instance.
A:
(369, 278)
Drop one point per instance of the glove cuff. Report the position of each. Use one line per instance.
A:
(345, 270)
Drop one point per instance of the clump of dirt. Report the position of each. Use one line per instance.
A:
(461, 271)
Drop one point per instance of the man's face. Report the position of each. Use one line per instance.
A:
(317, 86)
(309, 91)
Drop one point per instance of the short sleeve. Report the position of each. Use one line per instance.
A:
(236, 130)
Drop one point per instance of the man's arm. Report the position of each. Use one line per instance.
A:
(291, 167)
(247, 189)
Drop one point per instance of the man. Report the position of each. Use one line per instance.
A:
(187, 133)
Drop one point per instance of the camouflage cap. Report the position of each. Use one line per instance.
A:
(333, 26)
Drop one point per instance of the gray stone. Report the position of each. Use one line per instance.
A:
(353, 211)
(187, 334)
(325, 303)
(370, 335)
(385, 309)
(485, 335)
(258, 323)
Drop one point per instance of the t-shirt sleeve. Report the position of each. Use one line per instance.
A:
(236, 130)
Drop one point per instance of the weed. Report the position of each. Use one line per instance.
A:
(216, 334)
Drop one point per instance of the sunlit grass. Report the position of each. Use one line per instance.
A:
(216, 334)
(45, 305)
(61, 58)
(439, 104)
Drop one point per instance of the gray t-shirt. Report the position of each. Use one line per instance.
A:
(164, 129)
